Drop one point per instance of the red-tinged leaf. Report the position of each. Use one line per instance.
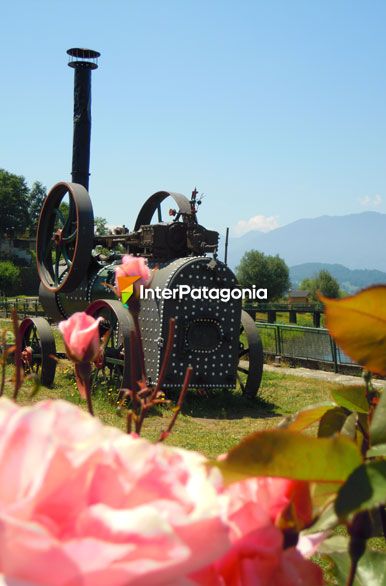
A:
(305, 418)
(289, 454)
(358, 324)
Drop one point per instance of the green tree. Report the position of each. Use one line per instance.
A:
(36, 198)
(101, 228)
(14, 217)
(264, 271)
(322, 282)
(9, 277)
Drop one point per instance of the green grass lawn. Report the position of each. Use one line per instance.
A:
(211, 422)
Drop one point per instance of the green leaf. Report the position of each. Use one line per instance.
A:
(290, 454)
(364, 489)
(349, 427)
(371, 569)
(332, 421)
(352, 398)
(323, 493)
(377, 451)
(306, 417)
(378, 424)
(327, 520)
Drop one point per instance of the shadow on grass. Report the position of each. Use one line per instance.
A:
(223, 404)
(205, 404)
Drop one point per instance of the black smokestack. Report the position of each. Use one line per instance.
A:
(83, 61)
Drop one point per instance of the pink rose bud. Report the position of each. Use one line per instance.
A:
(133, 266)
(81, 336)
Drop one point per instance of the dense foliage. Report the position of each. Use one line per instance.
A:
(19, 205)
(14, 192)
(36, 198)
(264, 271)
(101, 228)
(323, 283)
(9, 277)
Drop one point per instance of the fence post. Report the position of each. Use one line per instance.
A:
(292, 317)
(334, 355)
(278, 341)
(271, 316)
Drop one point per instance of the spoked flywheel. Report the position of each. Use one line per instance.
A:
(251, 358)
(112, 369)
(65, 237)
(38, 350)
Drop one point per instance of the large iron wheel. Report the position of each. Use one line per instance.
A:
(112, 370)
(251, 358)
(65, 237)
(38, 349)
(153, 205)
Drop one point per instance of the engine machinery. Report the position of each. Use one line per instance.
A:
(77, 267)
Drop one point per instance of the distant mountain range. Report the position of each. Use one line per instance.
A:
(357, 241)
(349, 280)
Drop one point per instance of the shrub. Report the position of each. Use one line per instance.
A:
(9, 277)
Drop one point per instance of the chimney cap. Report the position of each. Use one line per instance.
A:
(83, 53)
(86, 58)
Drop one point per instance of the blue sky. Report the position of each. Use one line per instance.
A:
(275, 110)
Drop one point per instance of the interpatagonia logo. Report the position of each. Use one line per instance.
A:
(126, 288)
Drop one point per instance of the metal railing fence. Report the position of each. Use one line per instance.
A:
(304, 343)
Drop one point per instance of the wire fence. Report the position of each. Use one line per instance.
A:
(302, 343)
(25, 307)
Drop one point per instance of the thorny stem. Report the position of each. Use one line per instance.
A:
(129, 421)
(2, 377)
(181, 398)
(353, 570)
(166, 358)
(382, 514)
(83, 381)
(359, 530)
(18, 359)
(133, 346)
(164, 365)
(139, 345)
(89, 400)
(3, 362)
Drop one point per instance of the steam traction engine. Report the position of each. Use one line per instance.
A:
(218, 339)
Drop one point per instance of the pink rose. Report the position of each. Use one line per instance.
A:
(81, 337)
(86, 505)
(133, 266)
(257, 556)
(278, 497)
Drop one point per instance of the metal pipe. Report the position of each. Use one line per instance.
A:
(83, 61)
(226, 246)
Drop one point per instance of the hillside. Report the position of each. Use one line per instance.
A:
(349, 280)
(356, 241)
